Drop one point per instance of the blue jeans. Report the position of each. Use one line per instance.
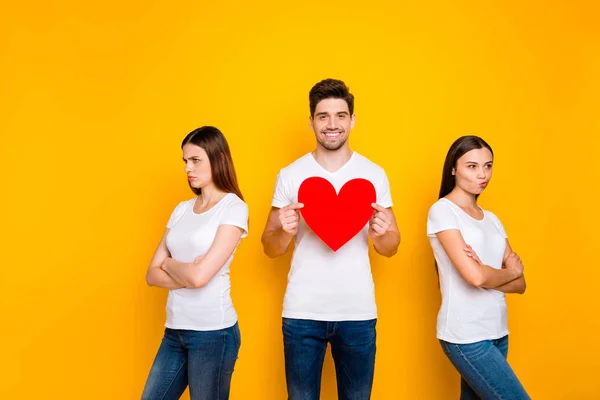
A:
(202, 359)
(485, 373)
(352, 348)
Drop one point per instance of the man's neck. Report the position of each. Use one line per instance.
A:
(332, 160)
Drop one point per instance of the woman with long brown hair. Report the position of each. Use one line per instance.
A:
(477, 267)
(202, 337)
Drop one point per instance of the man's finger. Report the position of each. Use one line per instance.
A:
(378, 207)
(291, 219)
(290, 213)
(380, 222)
(376, 228)
(294, 206)
(382, 216)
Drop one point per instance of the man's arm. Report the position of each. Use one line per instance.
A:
(281, 228)
(384, 231)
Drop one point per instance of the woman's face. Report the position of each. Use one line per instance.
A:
(197, 166)
(473, 170)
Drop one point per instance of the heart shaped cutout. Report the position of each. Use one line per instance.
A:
(336, 217)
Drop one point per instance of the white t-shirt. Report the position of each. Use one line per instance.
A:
(324, 285)
(468, 314)
(191, 235)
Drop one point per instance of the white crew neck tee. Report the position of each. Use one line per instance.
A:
(324, 285)
(191, 235)
(468, 314)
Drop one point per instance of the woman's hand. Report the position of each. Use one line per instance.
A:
(471, 253)
(166, 264)
(513, 261)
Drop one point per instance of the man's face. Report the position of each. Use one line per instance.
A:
(332, 123)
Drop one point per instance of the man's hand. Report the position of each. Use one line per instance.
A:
(381, 221)
(289, 217)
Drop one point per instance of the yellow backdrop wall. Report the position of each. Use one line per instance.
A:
(96, 97)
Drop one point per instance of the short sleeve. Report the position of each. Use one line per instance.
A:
(236, 215)
(441, 218)
(177, 214)
(384, 195)
(281, 195)
(498, 225)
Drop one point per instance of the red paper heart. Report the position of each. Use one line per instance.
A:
(336, 218)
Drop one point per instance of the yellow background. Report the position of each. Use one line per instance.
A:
(96, 97)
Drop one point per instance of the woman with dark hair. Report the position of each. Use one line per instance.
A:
(202, 338)
(476, 268)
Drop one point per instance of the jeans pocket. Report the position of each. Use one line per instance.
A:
(237, 336)
(358, 333)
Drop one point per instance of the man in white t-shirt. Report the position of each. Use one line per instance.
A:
(330, 294)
